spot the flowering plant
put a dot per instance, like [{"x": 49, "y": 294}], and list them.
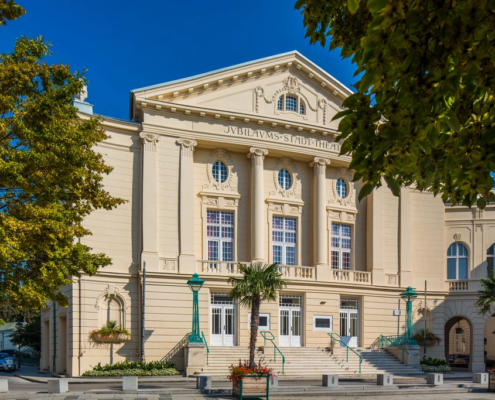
[
  {"x": 111, "y": 330},
  {"x": 238, "y": 372}
]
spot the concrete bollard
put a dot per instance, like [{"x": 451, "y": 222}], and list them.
[
  {"x": 384, "y": 380},
  {"x": 203, "y": 382},
  {"x": 274, "y": 382},
  {"x": 330, "y": 380},
  {"x": 480, "y": 378},
  {"x": 4, "y": 385},
  {"x": 129, "y": 383},
  {"x": 434, "y": 379},
  {"x": 58, "y": 385}
]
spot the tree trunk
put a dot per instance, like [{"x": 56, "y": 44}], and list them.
[{"x": 255, "y": 321}]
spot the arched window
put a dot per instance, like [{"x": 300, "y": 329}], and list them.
[
  {"x": 290, "y": 103},
  {"x": 457, "y": 262},
  {"x": 341, "y": 188},
  {"x": 284, "y": 179},
  {"x": 219, "y": 171},
  {"x": 302, "y": 110},
  {"x": 280, "y": 103},
  {"x": 490, "y": 258},
  {"x": 112, "y": 311}
]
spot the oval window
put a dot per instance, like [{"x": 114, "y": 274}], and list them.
[
  {"x": 341, "y": 188},
  {"x": 284, "y": 179},
  {"x": 219, "y": 172}
]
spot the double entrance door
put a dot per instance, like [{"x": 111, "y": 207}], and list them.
[
  {"x": 290, "y": 320},
  {"x": 222, "y": 316},
  {"x": 349, "y": 322}
]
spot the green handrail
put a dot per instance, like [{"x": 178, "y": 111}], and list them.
[
  {"x": 206, "y": 344},
  {"x": 275, "y": 348},
  {"x": 339, "y": 339},
  {"x": 393, "y": 342}
]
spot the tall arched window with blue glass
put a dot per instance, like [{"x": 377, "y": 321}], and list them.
[{"x": 457, "y": 262}]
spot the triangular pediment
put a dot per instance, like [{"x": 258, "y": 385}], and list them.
[{"x": 287, "y": 86}]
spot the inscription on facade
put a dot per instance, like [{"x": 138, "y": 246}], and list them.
[{"x": 283, "y": 138}]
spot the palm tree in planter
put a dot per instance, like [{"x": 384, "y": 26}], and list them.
[
  {"x": 486, "y": 295},
  {"x": 259, "y": 282}
]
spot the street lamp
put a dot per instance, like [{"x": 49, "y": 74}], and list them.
[
  {"x": 408, "y": 296},
  {"x": 195, "y": 284}
]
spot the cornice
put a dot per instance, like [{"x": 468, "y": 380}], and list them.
[{"x": 250, "y": 119}]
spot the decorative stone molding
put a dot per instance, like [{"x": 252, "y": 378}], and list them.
[
  {"x": 335, "y": 199},
  {"x": 149, "y": 141},
  {"x": 168, "y": 264},
  {"x": 187, "y": 146},
  {"x": 230, "y": 184},
  {"x": 255, "y": 152},
  {"x": 320, "y": 164},
  {"x": 457, "y": 237},
  {"x": 111, "y": 291},
  {"x": 479, "y": 228},
  {"x": 294, "y": 191},
  {"x": 323, "y": 105}
]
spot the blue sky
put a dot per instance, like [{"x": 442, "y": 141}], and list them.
[{"x": 127, "y": 45}]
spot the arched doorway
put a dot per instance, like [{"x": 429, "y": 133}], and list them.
[{"x": 459, "y": 343}]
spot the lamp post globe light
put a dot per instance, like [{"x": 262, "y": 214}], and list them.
[
  {"x": 195, "y": 284},
  {"x": 408, "y": 296}
]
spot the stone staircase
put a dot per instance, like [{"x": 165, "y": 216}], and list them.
[{"x": 310, "y": 361}]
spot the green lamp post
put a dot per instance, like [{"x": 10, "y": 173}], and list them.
[
  {"x": 408, "y": 296},
  {"x": 195, "y": 284}
]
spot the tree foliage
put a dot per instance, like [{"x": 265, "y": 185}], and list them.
[
  {"x": 424, "y": 110},
  {"x": 9, "y": 10},
  {"x": 259, "y": 282},
  {"x": 29, "y": 334},
  {"x": 486, "y": 296},
  {"x": 50, "y": 177}
]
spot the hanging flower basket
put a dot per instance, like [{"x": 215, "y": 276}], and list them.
[{"x": 118, "y": 338}]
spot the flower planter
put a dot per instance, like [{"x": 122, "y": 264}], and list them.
[
  {"x": 429, "y": 342},
  {"x": 252, "y": 386},
  {"x": 491, "y": 381},
  {"x": 119, "y": 338}
]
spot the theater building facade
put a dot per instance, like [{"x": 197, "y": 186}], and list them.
[{"x": 240, "y": 165}]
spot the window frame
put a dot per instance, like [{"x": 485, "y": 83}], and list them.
[
  {"x": 220, "y": 172},
  {"x": 281, "y": 104},
  {"x": 457, "y": 257},
  {"x": 346, "y": 186},
  {"x": 285, "y": 178},
  {"x": 267, "y": 315},
  {"x": 284, "y": 245},
  {"x": 329, "y": 317},
  {"x": 340, "y": 250},
  {"x": 492, "y": 258},
  {"x": 220, "y": 240}
]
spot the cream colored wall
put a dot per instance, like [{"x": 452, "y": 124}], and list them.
[
  {"x": 490, "y": 338},
  {"x": 390, "y": 232}
]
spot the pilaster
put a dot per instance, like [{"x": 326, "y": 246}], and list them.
[
  {"x": 257, "y": 155},
  {"x": 375, "y": 236},
  {"x": 405, "y": 237},
  {"x": 149, "y": 207},
  {"x": 187, "y": 261},
  {"x": 320, "y": 239}
]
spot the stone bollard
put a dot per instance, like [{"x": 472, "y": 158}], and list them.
[
  {"x": 274, "y": 382},
  {"x": 203, "y": 382},
  {"x": 384, "y": 380},
  {"x": 434, "y": 379},
  {"x": 330, "y": 380},
  {"x": 130, "y": 383},
  {"x": 58, "y": 385},
  {"x": 4, "y": 385},
  {"x": 480, "y": 378}
]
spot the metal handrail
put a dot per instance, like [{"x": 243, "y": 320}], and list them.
[
  {"x": 347, "y": 347},
  {"x": 206, "y": 344},
  {"x": 275, "y": 348},
  {"x": 177, "y": 348},
  {"x": 393, "y": 344}
]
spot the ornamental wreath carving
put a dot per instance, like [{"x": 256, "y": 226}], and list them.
[
  {"x": 230, "y": 184},
  {"x": 350, "y": 199},
  {"x": 294, "y": 192}
]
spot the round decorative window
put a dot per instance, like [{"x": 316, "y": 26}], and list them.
[
  {"x": 284, "y": 179},
  {"x": 341, "y": 188},
  {"x": 220, "y": 172}
]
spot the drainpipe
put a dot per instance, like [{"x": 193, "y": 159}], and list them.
[
  {"x": 54, "y": 337},
  {"x": 142, "y": 312}
]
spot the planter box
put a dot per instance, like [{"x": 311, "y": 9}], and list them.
[
  {"x": 120, "y": 338},
  {"x": 491, "y": 382},
  {"x": 252, "y": 387}
]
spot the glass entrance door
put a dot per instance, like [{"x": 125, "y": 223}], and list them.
[
  {"x": 290, "y": 320},
  {"x": 222, "y": 320},
  {"x": 349, "y": 322}
]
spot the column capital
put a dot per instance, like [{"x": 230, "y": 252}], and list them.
[
  {"x": 149, "y": 140},
  {"x": 187, "y": 146},
  {"x": 319, "y": 162},
  {"x": 257, "y": 152}
]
